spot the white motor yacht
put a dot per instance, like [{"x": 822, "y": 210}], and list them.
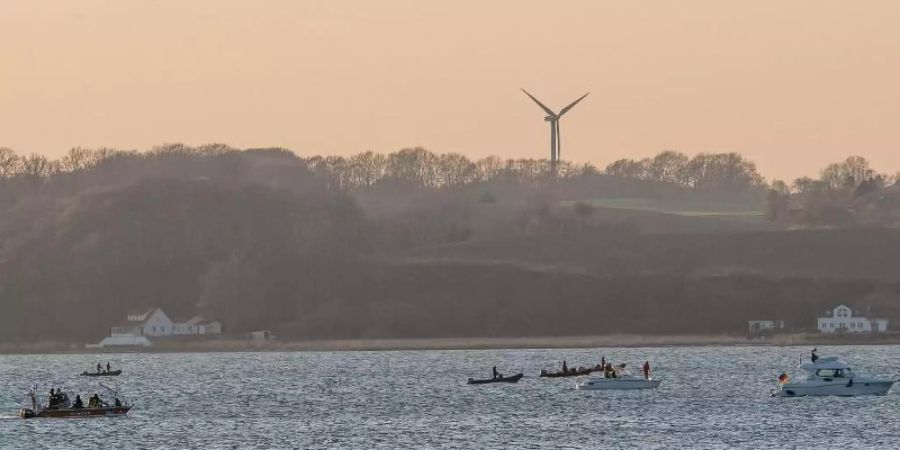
[
  {"x": 829, "y": 376},
  {"x": 623, "y": 380}
]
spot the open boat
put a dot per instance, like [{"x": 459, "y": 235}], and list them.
[
  {"x": 106, "y": 373},
  {"x": 69, "y": 413},
  {"x": 829, "y": 376},
  {"x": 579, "y": 372},
  {"x": 61, "y": 407},
  {"x": 623, "y": 381},
  {"x": 510, "y": 379}
]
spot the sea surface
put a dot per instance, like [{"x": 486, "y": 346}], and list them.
[{"x": 710, "y": 397}]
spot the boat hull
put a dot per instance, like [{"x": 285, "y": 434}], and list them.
[
  {"x": 73, "y": 413},
  {"x": 842, "y": 388},
  {"x": 511, "y": 379},
  {"x": 576, "y": 373},
  {"x": 113, "y": 373},
  {"x": 599, "y": 384}
]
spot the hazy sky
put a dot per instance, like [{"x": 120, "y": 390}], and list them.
[{"x": 791, "y": 84}]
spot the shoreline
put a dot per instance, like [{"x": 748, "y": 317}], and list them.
[{"x": 468, "y": 343}]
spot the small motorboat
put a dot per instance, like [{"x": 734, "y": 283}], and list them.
[
  {"x": 830, "y": 376},
  {"x": 69, "y": 413},
  {"x": 60, "y": 406},
  {"x": 105, "y": 373},
  {"x": 623, "y": 381},
  {"x": 579, "y": 372},
  {"x": 501, "y": 379}
]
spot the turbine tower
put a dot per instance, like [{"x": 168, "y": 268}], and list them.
[{"x": 553, "y": 118}]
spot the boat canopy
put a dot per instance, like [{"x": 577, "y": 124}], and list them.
[{"x": 827, "y": 362}]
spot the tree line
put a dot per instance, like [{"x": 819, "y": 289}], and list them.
[
  {"x": 842, "y": 194},
  {"x": 846, "y": 193},
  {"x": 419, "y": 167}
]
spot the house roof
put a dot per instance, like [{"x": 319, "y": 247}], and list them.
[
  {"x": 855, "y": 313},
  {"x": 196, "y": 320},
  {"x": 139, "y": 315}
]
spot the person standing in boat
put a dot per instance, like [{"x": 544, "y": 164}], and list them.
[
  {"x": 108, "y": 367},
  {"x": 646, "y": 370},
  {"x": 565, "y": 367},
  {"x": 99, "y": 368},
  {"x": 813, "y": 356},
  {"x": 495, "y": 374},
  {"x": 78, "y": 403}
]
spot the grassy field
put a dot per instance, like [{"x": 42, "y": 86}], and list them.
[{"x": 681, "y": 208}]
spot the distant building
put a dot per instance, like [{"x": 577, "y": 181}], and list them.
[
  {"x": 844, "y": 319},
  {"x": 764, "y": 326},
  {"x": 148, "y": 322},
  {"x": 153, "y": 322},
  {"x": 198, "y": 325},
  {"x": 261, "y": 335}
]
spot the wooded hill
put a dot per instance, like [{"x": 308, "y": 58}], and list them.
[{"x": 265, "y": 239}]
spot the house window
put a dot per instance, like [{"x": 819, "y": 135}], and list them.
[{"x": 831, "y": 325}]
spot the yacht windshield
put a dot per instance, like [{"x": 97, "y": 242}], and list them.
[{"x": 833, "y": 373}]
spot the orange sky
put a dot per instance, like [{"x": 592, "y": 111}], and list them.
[{"x": 791, "y": 84}]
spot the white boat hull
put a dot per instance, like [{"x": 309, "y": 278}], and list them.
[
  {"x": 596, "y": 384},
  {"x": 837, "y": 388}
]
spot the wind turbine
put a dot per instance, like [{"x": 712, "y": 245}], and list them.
[{"x": 553, "y": 118}]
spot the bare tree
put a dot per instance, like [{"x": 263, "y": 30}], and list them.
[
  {"x": 37, "y": 166},
  {"x": 455, "y": 169},
  {"x": 627, "y": 168},
  {"x": 415, "y": 166},
  {"x": 722, "y": 172},
  {"x": 489, "y": 168},
  {"x": 78, "y": 158},
  {"x": 367, "y": 168},
  {"x": 669, "y": 166},
  {"x": 9, "y": 162}
]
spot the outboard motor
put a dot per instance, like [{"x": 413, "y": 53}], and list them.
[{"x": 27, "y": 413}]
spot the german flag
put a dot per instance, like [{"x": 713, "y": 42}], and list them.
[{"x": 783, "y": 378}]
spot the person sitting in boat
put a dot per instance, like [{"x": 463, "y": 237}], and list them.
[
  {"x": 99, "y": 368},
  {"x": 52, "y": 400},
  {"x": 118, "y": 403},
  {"x": 565, "y": 367},
  {"x": 610, "y": 372},
  {"x": 108, "y": 367},
  {"x": 495, "y": 374},
  {"x": 78, "y": 403}
]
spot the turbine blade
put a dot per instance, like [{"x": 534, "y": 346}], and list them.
[
  {"x": 572, "y": 105},
  {"x": 544, "y": 107}
]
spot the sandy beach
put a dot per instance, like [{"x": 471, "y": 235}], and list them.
[{"x": 467, "y": 343}]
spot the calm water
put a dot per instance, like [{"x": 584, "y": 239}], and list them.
[{"x": 710, "y": 398}]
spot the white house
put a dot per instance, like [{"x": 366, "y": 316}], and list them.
[
  {"x": 758, "y": 326},
  {"x": 154, "y": 322},
  {"x": 844, "y": 319},
  {"x": 149, "y": 322}
]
